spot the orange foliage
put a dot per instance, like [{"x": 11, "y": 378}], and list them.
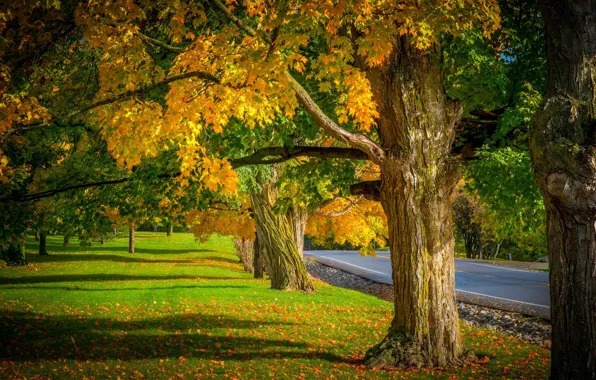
[
  {"x": 350, "y": 220},
  {"x": 227, "y": 223}
]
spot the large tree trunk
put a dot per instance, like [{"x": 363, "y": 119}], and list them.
[
  {"x": 284, "y": 263},
  {"x": 563, "y": 147},
  {"x": 417, "y": 126},
  {"x": 298, "y": 216},
  {"x": 131, "y": 239},
  {"x": 258, "y": 258},
  {"x": 244, "y": 250},
  {"x": 43, "y": 251}
]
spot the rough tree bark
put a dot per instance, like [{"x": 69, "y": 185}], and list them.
[
  {"x": 563, "y": 147},
  {"x": 285, "y": 265},
  {"x": 131, "y": 239},
  {"x": 258, "y": 259},
  {"x": 417, "y": 126},
  {"x": 298, "y": 216},
  {"x": 244, "y": 250},
  {"x": 43, "y": 251}
]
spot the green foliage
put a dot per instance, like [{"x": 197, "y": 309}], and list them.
[{"x": 513, "y": 208}]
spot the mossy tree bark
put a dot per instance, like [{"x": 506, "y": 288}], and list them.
[
  {"x": 258, "y": 259},
  {"x": 417, "y": 126},
  {"x": 284, "y": 263},
  {"x": 298, "y": 216},
  {"x": 563, "y": 147},
  {"x": 244, "y": 250},
  {"x": 43, "y": 251}
]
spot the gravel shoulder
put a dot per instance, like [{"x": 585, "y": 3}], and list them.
[{"x": 531, "y": 329}]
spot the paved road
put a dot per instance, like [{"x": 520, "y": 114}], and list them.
[{"x": 495, "y": 286}]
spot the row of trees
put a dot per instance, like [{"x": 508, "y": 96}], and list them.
[{"x": 142, "y": 109}]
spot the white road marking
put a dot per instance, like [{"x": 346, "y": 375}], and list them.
[
  {"x": 503, "y": 299},
  {"x": 497, "y": 266},
  {"x": 458, "y": 290},
  {"x": 343, "y": 262}
]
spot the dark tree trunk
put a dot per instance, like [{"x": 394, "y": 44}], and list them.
[
  {"x": 284, "y": 263},
  {"x": 13, "y": 254},
  {"x": 563, "y": 147},
  {"x": 417, "y": 126},
  {"x": 169, "y": 229},
  {"x": 65, "y": 241},
  {"x": 244, "y": 250},
  {"x": 472, "y": 245},
  {"x": 131, "y": 239},
  {"x": 258, "y": 259},
  {"x": 43, "y": 251},
  {"x": 298, "y": 217},
  {"x": 36, "y": 234},
  {"x": 102, "y": 241}
]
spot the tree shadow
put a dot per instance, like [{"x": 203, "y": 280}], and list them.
[
  {"x": 79, "y": 289},
  {"x": 65, "y": 257},
  {"x": 54, "y": 247},
  {"x": 30, "y": 336},
  {"x": 103, "y": 277}
]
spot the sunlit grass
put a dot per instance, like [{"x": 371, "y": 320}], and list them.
[{"x": 179, "y": 309}]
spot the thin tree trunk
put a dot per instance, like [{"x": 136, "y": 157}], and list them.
[
  {"x": 497, "y": 249},
  {"x": 258, "y": 259},
  {"x": 131, "y": 239},
  {"x": 36, "y": 234},
  {"x": 102, "y": 240},
  {"x": 417, "y": 126},
  {"x": 43, "y": 244},
  {"x": 298, "y": 217},
  {"x": 65, "y": 241},
  {"x": 244, "y": 250},
  {"x": 169, "y": 229},
  {"x": 563, "y": 147},
  {"x": 285, "y": 265}
]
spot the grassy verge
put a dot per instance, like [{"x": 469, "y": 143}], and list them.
[{"x": 177, "y": 309}]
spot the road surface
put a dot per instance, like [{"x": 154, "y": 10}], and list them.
[{"x": 500, "y": 287}]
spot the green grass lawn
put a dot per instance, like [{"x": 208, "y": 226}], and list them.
[{"x": 178, "y": 309}]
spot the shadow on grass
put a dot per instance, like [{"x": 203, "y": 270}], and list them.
[
  {"x": 65, "y": 257},
  {"x": 79, "y": 289},
  {"x": 102, "y": 277},
  {"x": 58, "y": 248},
  {"x": 30, "y": 336}
]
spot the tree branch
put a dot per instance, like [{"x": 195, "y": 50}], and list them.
[
  {"x": 50, "y": 193},
  {"x": 370, "y": 190},
  {"x": 128, "y": 95},
  {"x": 355, "y": 140},
  {"x": 154, "y": 41},
  {"x": 259, "y": 157},
  {"x": 347, "y": 209}
]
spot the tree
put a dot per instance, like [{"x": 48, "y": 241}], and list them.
[
  {"x": 382, "y": 62},
  {"x": 464, "y": 215},
  {"x": 234, "y": 222},
  {"x": 563, "y": 143}
]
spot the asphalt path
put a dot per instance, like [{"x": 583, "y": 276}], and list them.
[{"x": 496, "y": 286}]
